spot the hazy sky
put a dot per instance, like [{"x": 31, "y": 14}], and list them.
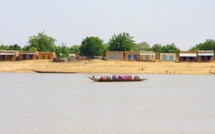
[{"x": 183, "y": 22}]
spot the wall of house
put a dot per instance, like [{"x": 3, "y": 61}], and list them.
[
  {"x": 28, "y": 56},
  {"x": 147, "y": 57},
  {"x": 185, "y": 56},
  {"x": 157, "y": 56},
  {"x": 132, "y": 56},
  {"x": 205, "y": 55},
  {"x": 9, "y": 56},
  {"x": 114, "y": 55},
  {"x": 46, "y": 55},
  {"x": 167, "y": 56}
]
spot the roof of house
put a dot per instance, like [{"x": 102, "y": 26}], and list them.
[
  {"x": 147, "y": 53},
  {"x": 8, "y": 52},
  {"x": 188, "y": 54}
]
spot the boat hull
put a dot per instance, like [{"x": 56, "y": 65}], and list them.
[
  {"x": 37, "y": 71},
  {"x": 133, "y": 80}
]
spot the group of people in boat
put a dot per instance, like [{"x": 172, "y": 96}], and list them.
[{"x": 115, "y": 77}]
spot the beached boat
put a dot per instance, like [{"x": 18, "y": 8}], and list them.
[
  {"x": 38, "y": 71},
  {"x": 116, "y": 80}
]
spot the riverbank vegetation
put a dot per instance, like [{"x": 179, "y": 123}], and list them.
[{"x": 94, "y": 46}]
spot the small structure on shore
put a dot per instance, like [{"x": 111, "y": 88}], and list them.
[
  {"x": 205, "y": 55},
  {"x": 26, "y": 55},
  {"x": 72, "y": 57},
  {"x": 196, "y": 56},
  {"x": 147, "y": 56},
  {"x": 132, "y": 55},
  {"x": 115, "y": 55},
  {"x": 167, "y": 56},
  {"x": 9, "y": 55},
  {"x": 46, "y": 55},
  {"x": 185, "y": 56}
]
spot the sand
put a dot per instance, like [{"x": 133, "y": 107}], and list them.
[{"x": 113, "y": 67}]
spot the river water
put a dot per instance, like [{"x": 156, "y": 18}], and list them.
[{"x": 33, "y": 103}]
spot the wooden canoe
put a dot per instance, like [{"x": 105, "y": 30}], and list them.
[
  {"x": 37, "y": 71},
  {"x": 133, "y": 80}
]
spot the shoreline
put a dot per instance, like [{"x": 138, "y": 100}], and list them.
[{"x": 108, "y": 67}]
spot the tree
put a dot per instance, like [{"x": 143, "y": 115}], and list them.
[
  {"x": 10, "y": 47},
  {"x": 4, "y": 47},
  {"x": 42, "y": 42},
  {"x": 156, "y": 48},
  {"x": 27, "y": 48},
  {"x": 207, "y": 45},
  {"x": 91, "y": 46},
  {"x": 74, "y": 49},
  {"x": 32, "y": 49},
  {"x": 121, "y": 42},
  {"x": 62, "y": 51},
  {"x": 15, "y": 47},
  {"x": 106, "y": 46},
  {"x": 143, "y": 46},
  {"x": 170, "y": 48}
]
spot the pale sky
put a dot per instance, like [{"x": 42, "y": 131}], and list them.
[{"x": 183, "y": 22}]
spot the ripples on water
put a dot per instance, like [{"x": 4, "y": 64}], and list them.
[{"x": 71, "y": 103}]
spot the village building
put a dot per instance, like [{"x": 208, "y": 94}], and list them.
[
  {"x": 46, "y": 55},
  {"x": 205, "y": 55},
  {"x": 157, "y": 56},
  {"x": 115, "y": 55},
  {"x": 8, "y": 55},
  {"x": 74, "y": 57},
  {"x": 185, "y": 56},
  {"x": 147, "y": 56},
  {"x": 25, "y": 55},
  {"x": 167, "y": 56},
  {"x": 132, "y": 55}
]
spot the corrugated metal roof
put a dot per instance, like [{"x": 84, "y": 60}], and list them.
[
  {"x": 27, "y": 53},
  {"x": 188, "y": 55},
  {"x": 71, "y": 54},
  {"x": 205, "y": 54},
  {"x": 147, "y": 54},
  {"x": 7, "y": 53}
]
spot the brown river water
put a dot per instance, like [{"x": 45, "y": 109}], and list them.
[{"x": 32, "y": 103}]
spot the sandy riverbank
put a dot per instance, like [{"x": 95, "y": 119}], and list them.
[{"x": 116, "y": 67}]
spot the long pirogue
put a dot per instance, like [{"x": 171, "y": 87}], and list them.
[{"x": 116, "y": 80}]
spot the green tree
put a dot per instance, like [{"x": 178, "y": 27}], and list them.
[
  {"x": 170, "y": 48},
  {"x": 10, "y": 47},
  {"x": 106, "y": 47},
  {"x": 156, "y": 48},
  {"x": 207, "y": 45},
  {"x": 143, "y": 46},
  {"x": 4, "y": 47},
  {"x": 42, "y": 42},
  {"x": 26, "y": 48},
  {"x": 121, "y": 42},
  {"x": 32, "y": 49},
  {"x": 74, "y": 49},
  {"x": 62, "y": 51},
  {"x": 15, "y": 47},
  {"x": 91, "y": 46}
]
